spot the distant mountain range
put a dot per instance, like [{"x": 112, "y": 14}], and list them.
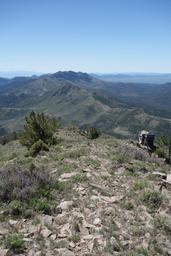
[
  {"x": 121, "y": 109},
  {"x": 12, "y": 74},
  {"x": 155, "y": 78}
]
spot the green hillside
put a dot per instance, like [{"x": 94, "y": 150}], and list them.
[{"x": 118, "y": 109}]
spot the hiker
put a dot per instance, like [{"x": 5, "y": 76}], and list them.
[{"x": 147, "y": 139}]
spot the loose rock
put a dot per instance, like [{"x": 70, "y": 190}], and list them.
[{"x": 65, "y": 205}]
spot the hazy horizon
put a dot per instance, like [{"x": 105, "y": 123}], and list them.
[{"x": 12, "y": 74}]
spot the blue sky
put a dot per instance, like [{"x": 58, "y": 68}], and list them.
[{"x": 85, "y": 35}]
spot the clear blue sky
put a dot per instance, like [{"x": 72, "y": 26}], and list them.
[{"x": 85, "y": 35}]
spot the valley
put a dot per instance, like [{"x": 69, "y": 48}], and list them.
[{"x": 119, "y": 109}]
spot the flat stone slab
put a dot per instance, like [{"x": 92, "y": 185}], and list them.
[
  {"x": 64, "y": 252},
  {"x": 66, "y": 176},
  {"x": 65, "y": 205},
  {"x": 168, "y": 177},
  {"x": 46, "y": 232},
  {"x": 4, "y": 252},
  {"x": 161, "y": 175},
  {"x": 112, "y": 199},
  {"x": 3, "y": 231}
]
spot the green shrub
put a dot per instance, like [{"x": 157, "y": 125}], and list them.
[
  {"x": 75, "y": 238},
  {"x": 64, "y": 186},
  {"x": 162, "y": 223},
  {"x": 46, "y": 189},
  {"x": 37, "y": 147},
  {"x": 16, "y": 208},
  {"x": 140, "y": 185},
  {"x": 121, "y": 158},
  {"x": 161, "y": 152},
  {"x": 28, "y": 213},
  {"x": 38, "y": 127},
  {"x": 14, "y": 241},
  {"x": 162, "y": 148},
  {"x": 92, "y": 133},
  {"x": 152, "y": 199},
  {"x": 164, "y": 140},
  {"x": 42, "y": 205}
]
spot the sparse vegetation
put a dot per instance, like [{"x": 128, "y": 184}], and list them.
[
  {"x": 79, "y": 178},
  {"x": 127, "y": 204},
  {"x": 100, "y": 190},
  {"x": 42, "y": 205},
  {"x": 26, "y": 189},
  {"x": 152, "y": 199},
  {"x": 15, "y": 242},
  {"x": 140, "y": 185},
  {"x": 163, "y": 147},
  {"x": 140, "y": 252},
  {"x": 162, "y": 223},
  {"x": 75, "y": 238},
  {"x": 37, "y": 147},
  {"x": 75, "y": 153},
  {"x": 92, "y": 133},
  {"x": 17, "y": 207}
]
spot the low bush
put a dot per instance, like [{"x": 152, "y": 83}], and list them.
[
  {"x": 133, "y": 153},
  {"x": 42, "y": 205},
  {"x": 21, "y": 184},
  {"x": 15, "y": 242},
  {"x": 152, "y": 199},
  {"x": 37, "y": 147},
  {"x": 26, "y": 191},
  {"x": 140, "y": 185},
  {"x": 140, "y": 155},
  {"x": 162, "y": 223},
  {"x": 16, "y": 208},
  {"x": 161, "y": 152},
  {"x": 163, "y": 146},
  {"x": 91, "y": 132}
]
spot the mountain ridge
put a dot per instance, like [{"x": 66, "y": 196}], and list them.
[
  {"x": 78, "y": 97},
  {"x": 154, "y": 78}
]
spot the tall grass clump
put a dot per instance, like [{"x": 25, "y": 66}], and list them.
[{"x": 92, "y": 133}]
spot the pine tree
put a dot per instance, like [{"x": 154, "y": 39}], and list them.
[{"x": 38, "y": 127}]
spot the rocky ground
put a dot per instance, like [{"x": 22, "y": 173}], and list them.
[{"x": 107, "y": 202}]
